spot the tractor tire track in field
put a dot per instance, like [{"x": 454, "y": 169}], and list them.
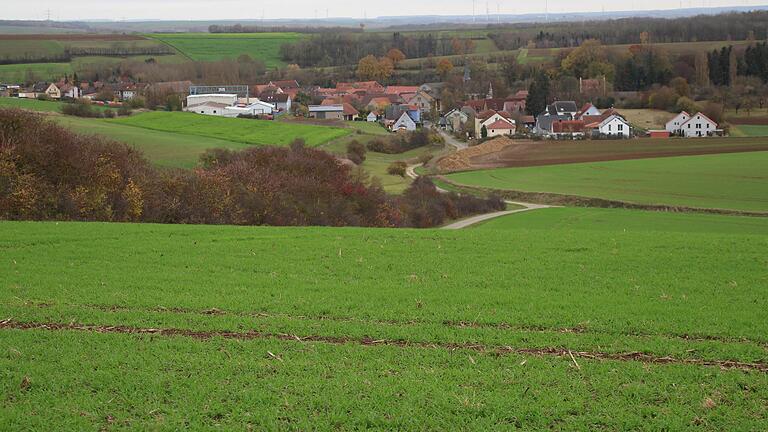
[
  {"x": 9, "y": 324},
  {"x": 502, "y": 326}
]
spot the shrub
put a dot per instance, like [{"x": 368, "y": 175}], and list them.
[
  {"x": 124, "y": 111},
  {"x": 424, "y": 158},
  {"x": 108, "y": 113},
  {"x": 397, "y": 168},
  {"x": 424, "y": 206},
  {"x": 356, "y": 152},
  {"x": 400, "y": 143},
  {"x": 79, "y": 109}
]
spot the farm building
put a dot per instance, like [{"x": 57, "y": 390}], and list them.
[
  {"x": 343, "y": 111},
  {"x": 281, "y": 101},
  {"x": 239, "y": 90},
  {"x": 659, "y": 133},
  {"x": 257, "y": 108},
  {"x": 226, "y": 99}
]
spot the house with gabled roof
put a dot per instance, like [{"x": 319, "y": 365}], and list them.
[
  {"x": 699, "y": 125},
  {"x": 404, "y": 123},
  {"x": 614, "y": 126},
  {"x": 489, "y": 117},
  {"x": 675, "y": 125},
  {"x": 587, "y": 110},
  {"x": 423, "y": 100}
]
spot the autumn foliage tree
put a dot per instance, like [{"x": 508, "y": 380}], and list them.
[
  {"x": 396, "y": 56},
  {"x": 375, "y": 69},
  {"x": 444, "y": 67}
]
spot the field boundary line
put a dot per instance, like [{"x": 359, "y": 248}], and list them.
[
  {"x": 10, "y": 324},
  {"x": 502, "y": 326}
]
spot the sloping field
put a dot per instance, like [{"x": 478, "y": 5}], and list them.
[
  {"x": 161, "y": 148},
  {"x": 218, "y": 46},
  {"x": 737, "y": 181},
  {"x": 621, "y": 220},
  {"x": 120, "y": 326},
  {"x": 256, "y": 132},
  {"x": 18, "y": 73}
]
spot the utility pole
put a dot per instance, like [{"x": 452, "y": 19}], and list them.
[{"x": 473, "y": 12}]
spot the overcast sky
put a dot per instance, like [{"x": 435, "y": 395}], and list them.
[{"x": 254, "y": 9}]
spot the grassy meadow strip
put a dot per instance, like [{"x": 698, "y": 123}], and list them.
[
  {"x": 127, "y": 382},
  {"x": 255, "y": 132},
  {"x": 710, "y": 284},
  {"x": 737, "y": 181},
  {"x": 621, "y": 220}
]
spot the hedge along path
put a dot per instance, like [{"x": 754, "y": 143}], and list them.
[
  {"x": 10, "y": 324},
  {"x": 502, "y": 326}
]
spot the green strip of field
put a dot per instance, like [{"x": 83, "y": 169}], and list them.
[
  {"x": 688, "y": 295},
  {"x": 40, "y": 105},
  {"x": 737, "y": 181},
  {"x": 211, "y": 47},
  {"x": 620, "y": 220},
  {"x": 17, "y": 73},
  {"x": 161, "y": 148},
  {"x": 256, "y": 132},
  {"x": 750, "y": 130}
]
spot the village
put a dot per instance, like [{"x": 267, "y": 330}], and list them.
[{"x": 396, "y": 107}]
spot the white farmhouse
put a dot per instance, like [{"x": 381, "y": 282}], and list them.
[
  {"x": 615, "y": 126},
  {"x": 499, "y": 128},
  {"x": 674, "y": 126},
  {"x": 699, "y": 125}
]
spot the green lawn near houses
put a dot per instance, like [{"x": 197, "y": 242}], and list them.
[{"x": 736, "y": 181}]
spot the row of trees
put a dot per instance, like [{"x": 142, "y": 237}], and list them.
[
  {"x": 49, "y": 173},
  {"x": 338, "y": 49},
  {"x": 731, "y": 26}
]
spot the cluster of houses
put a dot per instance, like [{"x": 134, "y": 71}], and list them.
[
  {"x": 123, "y": 90},
  {"x": 398, "y": 108}
]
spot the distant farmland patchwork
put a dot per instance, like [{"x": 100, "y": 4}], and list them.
[{"x": 283, "y": 328}]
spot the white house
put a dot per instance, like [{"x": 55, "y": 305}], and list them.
[
  {"x": 499, "y": 128},
  {"x": 256, "y": 108},
  {"x": 699, "y": 125},
  {"x": 614, "y": 126},
  {"x": 405, "y": 122},
  {"x": 674, "y": 126},
  {"x": 373, "y": 117},
  {"x": 587, "y": 110},
  {"x": 487, "y": 118}
]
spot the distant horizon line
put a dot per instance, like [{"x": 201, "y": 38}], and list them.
[{"x": 481, "y": 18}]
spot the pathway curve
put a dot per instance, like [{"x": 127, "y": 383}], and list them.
[{"x": 410, "y": 171}]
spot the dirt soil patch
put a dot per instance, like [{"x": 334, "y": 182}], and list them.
[
  {"x": 504, "y": 152},
  {"x": 486, "y": 349}
]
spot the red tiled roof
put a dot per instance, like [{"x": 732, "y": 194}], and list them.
[
  {"x": 568, "y": 126},
  {"x": 350, "y": 110},
  {"x": 500, "y": 124},
  {"x": 398, "y": 90}
]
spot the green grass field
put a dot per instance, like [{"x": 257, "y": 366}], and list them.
[
  {"x": 161, "y": 148},
  {"x": 620, "y": 220},
  {"x": 18, "y": 73},
  {"x": 208, "y": 46},
  {"x": 737, "y": 181},
  {"x": 121, "y": 326},
  {"x": 749, "y": 131},
  {"x": 39, "y": 106},
  {"x": 256, "y": 132}
]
